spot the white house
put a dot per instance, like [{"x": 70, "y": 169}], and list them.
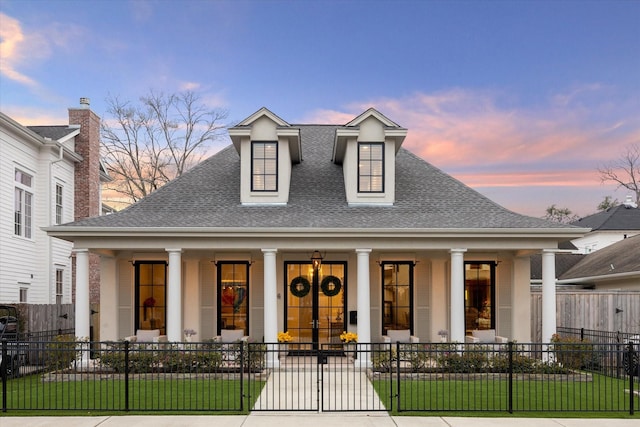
[
  {"x": 609, "y": 226},
  {"x": 315, "y": 229},
  {"x": 39, "y": 187}
]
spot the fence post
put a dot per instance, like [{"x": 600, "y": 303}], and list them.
[
  {"x": 126, "y": 375},
  {"x": 636, "y": 368},
  {"x": 397, "y": 372},
  {"x": 3, "y": 369},
  {"x": 242, "y": 368},
  {"x": 510, "y": 392}
]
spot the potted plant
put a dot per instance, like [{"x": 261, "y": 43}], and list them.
[
  {"x": 284, "y": 338},
  {"x": 188, "y": 333},
  {"x": 349, "y": 340},
  {"x": 443, "y": 335}
]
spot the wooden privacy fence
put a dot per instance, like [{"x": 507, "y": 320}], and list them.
[{"x": 597, "y": 310}]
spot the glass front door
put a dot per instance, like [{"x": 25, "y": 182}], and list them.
[{"x": 315, "y": 309}]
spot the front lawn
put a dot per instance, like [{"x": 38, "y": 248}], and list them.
[
  {"x": 147, "y": 393},
  {"x": 491, "y": 393}
]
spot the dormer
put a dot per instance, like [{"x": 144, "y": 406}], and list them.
[
  {"x": 366, "y": 148},
  {"x": 268, "y": 147}
]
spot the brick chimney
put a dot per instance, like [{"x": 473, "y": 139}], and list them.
[
  {"x": 87, "y": 182},
  {"x": 87, "y": 175}
]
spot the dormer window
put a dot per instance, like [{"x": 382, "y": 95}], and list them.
[
  {"x": 264, "y": 166},
  {"x": 370, "y": 167}
]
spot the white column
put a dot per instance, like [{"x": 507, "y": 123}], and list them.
[
  {"x": 270, "y": 305},
  {"x": 363, "y": 305},
  {"x": 174, "y": 296},
  {"x": 457, "y": 295},
  {"x": 548, "y": 295},
  {"x": 83, "y": 310}
]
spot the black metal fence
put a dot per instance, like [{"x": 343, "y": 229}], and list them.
[
  {"x": 241, "y": 377},
  {"x": 554, "y": 377}
]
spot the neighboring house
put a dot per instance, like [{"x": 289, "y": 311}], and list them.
[
  {"x": 608, "y": 227},
  {"x": 315, "y": 229},
  {"x": 49, "y": 175},
  {"x": 615, "y": 267}
]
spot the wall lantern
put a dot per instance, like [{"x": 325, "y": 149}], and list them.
[{"x": 316, "y": 260}]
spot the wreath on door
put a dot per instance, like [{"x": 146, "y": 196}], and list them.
[
  {"x": 331, "y": 286},
  {"x": 300, "y": 287}
]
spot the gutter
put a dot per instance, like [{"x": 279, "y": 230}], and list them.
[{"x": 590, "y": 279}]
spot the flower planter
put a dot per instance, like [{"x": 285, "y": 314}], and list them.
[{"x": 349, "y": 349}]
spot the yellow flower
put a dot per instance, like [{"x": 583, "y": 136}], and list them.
[
  {"x": 284, "y": 337},
  {"x": 347, "y": 337}
]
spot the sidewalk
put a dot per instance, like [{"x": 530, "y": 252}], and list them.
[{"x": 298, "y": 419}]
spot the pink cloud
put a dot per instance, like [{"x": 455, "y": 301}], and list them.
[{"x": 484, "y": 141}]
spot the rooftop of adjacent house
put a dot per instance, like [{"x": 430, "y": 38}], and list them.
[
  {"x": 622, "y": 217},
  {"x": 209, "y": 196},
  {"x": 564, "y": 261},
  {"x": 53, "y": 132},
  {"x": 620, "y": 257}
]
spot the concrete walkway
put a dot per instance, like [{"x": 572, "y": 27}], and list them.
[
  {"x": 294, "y": 387},
  {"x": 302, "y": 420}
]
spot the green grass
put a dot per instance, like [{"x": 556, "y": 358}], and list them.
[
  {"x": 600, "y": 395},
  {"x": 151, "y": 394}
]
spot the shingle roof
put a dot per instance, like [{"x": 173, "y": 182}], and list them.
[
  {"x": 616, "y": 218},
  {"x": 53, "y": 132},
  {"x": 563, "y": 263},
  {"x": 208, "y": 196},
  {"x": 623, "y": 256}
]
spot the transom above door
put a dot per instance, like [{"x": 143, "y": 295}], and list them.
[{"x": 315, "y": 301}]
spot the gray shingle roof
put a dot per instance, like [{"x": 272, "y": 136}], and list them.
[
  {"x": 616, "y": 218},
  {"x": 53, "y": 132},
  {"x": 624, "y": 256},
  {"x": 563, "y": 263},
  {"x": 209, "y": 196}
]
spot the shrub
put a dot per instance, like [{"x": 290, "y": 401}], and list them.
[
  {"x": 572, "y": 353},
  {"x": 61, "y": 352},
  {"x": 465, "y": 361}
]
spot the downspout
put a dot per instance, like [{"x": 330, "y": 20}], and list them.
[{"x": 51, "y": 212}]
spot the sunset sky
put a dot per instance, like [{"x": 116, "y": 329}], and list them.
[{"x": 521, "y": 100}]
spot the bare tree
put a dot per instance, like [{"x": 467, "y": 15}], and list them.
[
  {"x": 625, "y": 171},
  {"x": 608, "y": 203},
  {"x": 560, "y": 215},
  {"x": 148, "y": 144}
]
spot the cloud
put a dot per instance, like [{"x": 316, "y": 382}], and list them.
[
  {"x": 11, "y": 40},
  {"x": 485, "y": 139},
  {"x": 20, "y": 48}
]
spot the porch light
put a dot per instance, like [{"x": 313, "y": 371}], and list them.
[{"x": 316, "y": 260}]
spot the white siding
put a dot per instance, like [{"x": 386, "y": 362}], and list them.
[{"x": 31, "y": 263}]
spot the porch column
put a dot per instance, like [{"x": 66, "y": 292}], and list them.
[
  {"x": 174, "y": 296},
  {"x": 548, "y": 295},
  {"x": 363, "y": 305},
  {"x": 457, "y": 295},
  {"x": 270, "y": 305},
  {"x": 83, "y": 310}
]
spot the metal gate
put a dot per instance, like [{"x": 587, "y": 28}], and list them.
[{"x": 326, "y": 380}]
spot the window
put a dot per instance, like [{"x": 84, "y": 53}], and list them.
[
  {"x": 59, "y": 286},
  {"x": 58, "y": 204},
  {"x": 264, "y": 166},
  {"x": 479, "y": 295},
  {"x": 233, "y": 296},
  {"x": 23, "y": 204},
  {"x": 23, "y": 295},
  {"x": 151, "y": 295},
  {"x": 397, "y": 296},
  {"x": 371, "y": 167}
]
